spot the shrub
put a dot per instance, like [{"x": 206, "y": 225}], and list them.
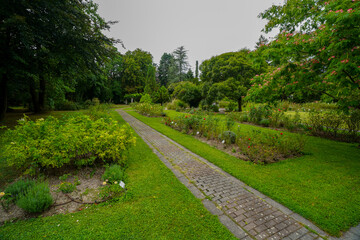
[
  {"x": 146, "y": 98},
  {"x": 18, "y": 188},
  {"x": 36, "y": 199},
  {"x": 258, "y": 113},
  {"x": 214, "y": 108},
  {"x": 147, "y": 109},
  {"x": 113, "y": 173},
  {"x": 72, "y": 140},
  {"x": 352, "y": 122},
  {"x": 176, "y": 104},
  {"x": 67, "y": 106},
  {"x": 229, "y": 137},
  {"x": 265, "y": 122},
  {"x": 65, "y": 186},
  {"x": 231, "y": 107}
]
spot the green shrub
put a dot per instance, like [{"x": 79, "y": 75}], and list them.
[
  {"x": 258, "y": 113},
  {"x": 66, "y": 186},
  {"x": 231, "y": 107},
  {"x": 229, "y": 137},
  {"x": 244, "y": 118},
  {"x": 114, "y": 173},
  {"x": 67, "y": 106},
  {"x": 147, "y": 109},
  {"x": 18, "y": 188},
  {"x": 264, "y": 122},
  {"x": 36, "y": 199},
  {"x": 72, "y": 140},
  {"x": 214, "y": 108},
  {"x": 146, "y": 98},
  {"x": 177, "y": 104}
]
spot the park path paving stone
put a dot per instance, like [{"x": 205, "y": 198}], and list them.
[{"x": 247, "y": 213}]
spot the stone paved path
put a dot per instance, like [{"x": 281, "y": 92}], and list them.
[{"x": 247, "y": 213}]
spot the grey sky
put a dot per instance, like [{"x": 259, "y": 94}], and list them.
[{"x": 205, "y": 27}]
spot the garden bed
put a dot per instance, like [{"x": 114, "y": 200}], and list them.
[{"x": 87, "y": 192}]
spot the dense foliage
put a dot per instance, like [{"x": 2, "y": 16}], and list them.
[
  {"x": 316, "y": 55},
  {"x": 72, "y": 140},
  {"x": 49, "y": 49}
]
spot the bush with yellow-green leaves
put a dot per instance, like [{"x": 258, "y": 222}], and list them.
[{"x": 74, "y": 140}]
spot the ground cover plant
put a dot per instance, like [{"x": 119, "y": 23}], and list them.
[
  {"x": 156, "y": 206},
  {"x": 322, "y": 185}
]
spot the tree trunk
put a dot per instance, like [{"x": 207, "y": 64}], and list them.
[
  {"x": 3, "y": 96},
  {"x": 42, "y": 93},
  {"x": 34, "y": 98},
  {"x": 240, "y": 103}
]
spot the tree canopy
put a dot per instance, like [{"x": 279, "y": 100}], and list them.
[{"x": 316, "y": 54}]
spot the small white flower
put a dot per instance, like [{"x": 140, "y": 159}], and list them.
[
  {"x": 197, "y": 133},
  {"x": 22, "y": 119},
  {"x": 223, "y": 141},
  {"x": 58, "y": 225},
  {"x": 172, "y": 122},
  {"x": 77, "y": 220}
]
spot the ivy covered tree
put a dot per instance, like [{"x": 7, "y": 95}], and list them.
[{"x": 317, "y": 51}]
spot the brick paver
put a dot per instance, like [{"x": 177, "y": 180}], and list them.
[{"x": 257, "y": 216}]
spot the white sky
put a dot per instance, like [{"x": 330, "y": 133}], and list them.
[{"x": 205, "y": 27}]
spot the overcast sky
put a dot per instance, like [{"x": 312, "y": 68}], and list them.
[{"x": 205, "y": 27}]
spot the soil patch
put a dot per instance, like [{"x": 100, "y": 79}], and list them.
[{"x": 86, "y": 192}]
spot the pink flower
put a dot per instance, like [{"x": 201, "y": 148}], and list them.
[{"x": 349, "y": 10}]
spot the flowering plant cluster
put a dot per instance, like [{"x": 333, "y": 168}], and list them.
[
  {"x": 317, "y": 54},
  {"x": 258, "y": 146}
]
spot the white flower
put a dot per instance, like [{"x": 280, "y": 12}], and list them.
[
  {"x": 172, "y": 122},
  {"x": 22, "y": 119},
  {"x": 197, "y": 133},
  {"x": 223, "y": 141}
]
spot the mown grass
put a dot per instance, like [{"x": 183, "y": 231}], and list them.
[
  {"x": 156, "y": 206},
  {"x": 323, "y": 185}
]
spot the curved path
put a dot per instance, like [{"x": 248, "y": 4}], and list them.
[{"x": 247, "y": 213}]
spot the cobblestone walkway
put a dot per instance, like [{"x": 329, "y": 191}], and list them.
[{"x": 247, "y": 213}]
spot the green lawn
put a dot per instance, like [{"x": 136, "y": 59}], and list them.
[
  {"x": 156, "y": 206},
  {"x": 323, "y": 185}
]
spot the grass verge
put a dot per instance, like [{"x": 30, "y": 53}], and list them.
[
  {"x": 323, "y": 185},
  {"x": 156, "y": 206}
]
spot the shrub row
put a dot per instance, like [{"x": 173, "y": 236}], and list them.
[
  {"x": 259, "y": 146},
  {"x": 331, "y": 124},
  {"x": 148, "y": 109}
]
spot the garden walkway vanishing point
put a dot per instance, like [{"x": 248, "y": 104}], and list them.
[{"x": 247, "y": 213}]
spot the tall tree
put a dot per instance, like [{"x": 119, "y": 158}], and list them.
[
  {"x": 197, "y": 70},
  {"x": 317, "y": 52},
  {"x": 150, "y": 81},
  {"x": 181, "y": 58},
  {"x": 230, "y": 75},
  {"x": 164, "y": 68},
  {"x": 39, "y": 45},
  {"x": 136, "y": 64}
]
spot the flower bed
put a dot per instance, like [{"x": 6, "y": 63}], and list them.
[{"x": 258, "y": 146}]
